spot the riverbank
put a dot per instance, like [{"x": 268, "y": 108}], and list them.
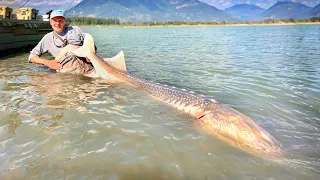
[{"x": 112, "y": 22}]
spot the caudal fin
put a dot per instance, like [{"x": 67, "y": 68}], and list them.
[{"x": 87, "y": 48}]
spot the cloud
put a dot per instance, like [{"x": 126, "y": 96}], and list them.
[
  {"x": 61, "y": 3},
  {"x": 222, "y": 4},
  {"x": 46, "y": 3},
  {"x": 8, "y": 2},
  {"x": 35, "y": 3},
  {"x": 42, "y": 5}
]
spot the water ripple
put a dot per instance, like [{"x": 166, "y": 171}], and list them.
[{"x": 69, "y": 126}]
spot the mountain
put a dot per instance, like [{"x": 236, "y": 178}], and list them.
[
  {"x": 245, "y": 12},
  {"x": 149, "y": 10},
  {"x": 314, "y": 12},
  {"x": 286, "y": 10}
]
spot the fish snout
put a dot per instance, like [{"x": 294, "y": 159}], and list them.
[
  {"x": 239, "y": 130},
  {"x": 254, "y": 136},
  {"x": 269, "y": 142}
]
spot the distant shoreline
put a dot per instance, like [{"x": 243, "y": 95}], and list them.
[
  {"x": 113, "y": 22},
  {"x": 195, "y": 25}
]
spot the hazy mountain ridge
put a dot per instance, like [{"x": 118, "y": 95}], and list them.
[
  {"x": 286, "y": 10},
  {"x": 188, "y": 10},
  {"x": 314, "y": 12},
  {"x": 150, "y": 10},
  {"x": 247, "y": 12}
]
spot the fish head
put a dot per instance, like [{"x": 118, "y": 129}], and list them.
[{"x": 238, "y": 130}]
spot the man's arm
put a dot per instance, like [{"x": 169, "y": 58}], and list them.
[
  {"x": 41, "y": 48},
  {"x": 52, "y": 64}
]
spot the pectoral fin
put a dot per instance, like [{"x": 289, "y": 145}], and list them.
[{"x": 87, "y": 48}]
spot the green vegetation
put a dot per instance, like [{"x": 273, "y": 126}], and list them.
[
  {"x": 311, "y": 20},
  {"x": 90, "y": 21}
]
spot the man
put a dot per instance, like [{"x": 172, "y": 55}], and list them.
[{"x": 56, "y": 40}]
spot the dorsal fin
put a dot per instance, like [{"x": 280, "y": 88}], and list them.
[{"x": 117, "y": 61}]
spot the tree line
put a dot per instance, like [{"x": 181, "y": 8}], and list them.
[
  {"x": 87, "y": 21},
  {"x": 91, "y": 21}
]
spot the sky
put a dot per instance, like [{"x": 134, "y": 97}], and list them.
[{"x": 46, "y": 5}]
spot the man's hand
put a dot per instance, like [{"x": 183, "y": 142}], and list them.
[{"x": 53, "y": 64}]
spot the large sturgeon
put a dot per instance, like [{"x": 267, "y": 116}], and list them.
[{"x": 210, "y": 115}]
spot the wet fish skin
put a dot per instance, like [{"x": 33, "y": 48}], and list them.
[
  {"x": 214, "y": 117},
  {"x": 210, "y": 115}
]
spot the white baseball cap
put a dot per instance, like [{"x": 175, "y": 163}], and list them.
[{"x": 56, "y": 13}]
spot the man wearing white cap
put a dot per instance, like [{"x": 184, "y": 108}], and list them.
[{"x": 54, "y": 41}]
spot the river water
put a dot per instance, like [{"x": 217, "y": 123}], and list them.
[{"x": 63, "y": 126}]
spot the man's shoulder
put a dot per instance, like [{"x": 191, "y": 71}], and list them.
[
  {"x": 49, "y": 34},
  {"x": 73, "y": 28},
  {"x": 46, "y": 36}
]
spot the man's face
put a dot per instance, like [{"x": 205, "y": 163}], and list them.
[{"x": 57, "y": 24}]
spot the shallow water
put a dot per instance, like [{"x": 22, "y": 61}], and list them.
[{"x": 63, "y": 126}]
